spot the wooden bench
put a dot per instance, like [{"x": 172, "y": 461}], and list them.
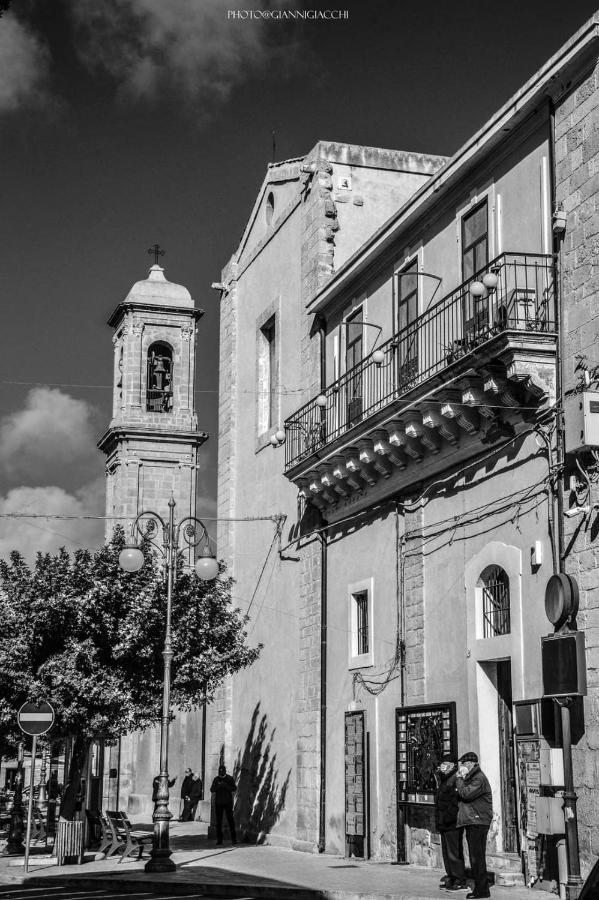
[
  {"x": 103, "y": 833},
  {"x": 130, "y": 840}
]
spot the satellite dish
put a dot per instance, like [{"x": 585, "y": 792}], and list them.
[{"x": 561, "y": 599}]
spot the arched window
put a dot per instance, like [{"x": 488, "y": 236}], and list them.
[
  {"x": 159, "y": 393},
  {"x": 270, "y": 207},
  {"x": 496, "y": 601}
]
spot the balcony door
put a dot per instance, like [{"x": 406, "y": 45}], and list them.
[
  {"x": 354, "y": 353},
  {"x": 475, "y": 256},
  {"x": 407, "y": 313}
]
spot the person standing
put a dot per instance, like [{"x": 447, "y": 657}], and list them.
[
  {"x": 195, "y": 795},
  {"x": 185, "y": 785},
  {"x": 156, "y": 786},
  {"x": 223, "y": 787},
  {"x": 452, "y": 837},
  {"x": 475, "y": 814}
]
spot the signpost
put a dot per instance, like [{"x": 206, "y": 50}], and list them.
[{"x": 34, "y": 719}]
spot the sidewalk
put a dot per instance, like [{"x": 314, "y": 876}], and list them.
[{"x": 264, "y": 872}]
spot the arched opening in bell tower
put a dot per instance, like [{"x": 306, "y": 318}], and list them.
[{"x": 159, "y": 392}]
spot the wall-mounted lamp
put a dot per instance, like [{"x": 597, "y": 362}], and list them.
[{"x": 559, "y": 219}]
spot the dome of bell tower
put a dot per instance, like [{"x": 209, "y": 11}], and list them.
[{"x": 155, "y": 289}]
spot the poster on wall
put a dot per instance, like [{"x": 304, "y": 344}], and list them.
[
  {"x": 529, "y": 783},
  {"x": 423, "y": 735}
]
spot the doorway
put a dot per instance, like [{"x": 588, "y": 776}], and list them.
[{"x": 506, "y": 756}]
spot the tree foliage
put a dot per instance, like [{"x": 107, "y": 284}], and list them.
[{"x": 88, "y": 637}]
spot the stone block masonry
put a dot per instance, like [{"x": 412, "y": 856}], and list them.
[{"x": 577, "y": 189}]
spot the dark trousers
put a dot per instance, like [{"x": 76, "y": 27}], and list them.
[
  {"x": 227, "y": 809},
  {"x": 189, "y": 810},
  {"x": 476, "y": 836},
  {"x": 452, "y": 846}
]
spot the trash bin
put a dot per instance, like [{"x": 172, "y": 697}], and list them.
[{"x": 68, "y": 846}]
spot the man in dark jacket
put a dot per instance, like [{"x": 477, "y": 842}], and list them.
[
  {"x": 194, "y": 795},
  {"x": 452, "y": 837},
  {"x": 185, "y": 785},
  {"x": 223, "y": 787},
  {"x": 475, "y": 814}
]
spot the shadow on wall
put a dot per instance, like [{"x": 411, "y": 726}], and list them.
[{"x": 259, "y": 800}]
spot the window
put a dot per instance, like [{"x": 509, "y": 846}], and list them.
[
  {"x": 475, "y": 241},
  {"x": 267, "y": 374},
  {"x": 354, "y": 350},
  {"x": 407, "y": 312},
  {"x": 407, "y": 295},
  {"x": 496, "y": 602},
  {"x": 270, "y": 207},
  {"x": 360, "y": 624},
  {"x": 159, "y": 392},
  {"x": 362, "y": 636}
]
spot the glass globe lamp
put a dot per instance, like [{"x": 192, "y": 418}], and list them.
[
  {"x": 206, "y": 565},
  {"x": 131, "y": 559}
]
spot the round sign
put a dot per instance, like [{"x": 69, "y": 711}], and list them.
[
  {"x": 35, "y": 718},
  {"x": 561, "y": 598}
]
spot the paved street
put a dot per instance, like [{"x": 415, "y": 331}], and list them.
[
  {"x": 66, "y": 892},
  {"x": 230, "y": 873}
]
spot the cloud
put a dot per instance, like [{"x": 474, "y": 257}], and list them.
[
  {"x": 50, "y": 466},
  {"x": 190, "y": 46},
  {"x": 51, "y": 441},
  {"x": 24, "y": 64},
  {"x": 30, "y": 535}
]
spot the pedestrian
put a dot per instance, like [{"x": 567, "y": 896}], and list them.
[
  {"x": 452, "y": 837},
  {"x": 185, "y": 784},
  {"x": 223, "y": 787},
  {"x": 474, "y": 815},
  {"x": 194, "y": 795},
  {"x": 156, "y": 785}
]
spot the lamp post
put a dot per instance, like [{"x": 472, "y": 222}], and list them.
[{"x": 131, "y": 559}]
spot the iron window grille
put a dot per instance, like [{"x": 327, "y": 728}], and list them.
[
  {"x": 363, "y": 641},
  {"x": 496, "y": 603}
]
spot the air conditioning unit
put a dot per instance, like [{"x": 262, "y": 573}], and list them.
[{"x": 581, "y": 417}]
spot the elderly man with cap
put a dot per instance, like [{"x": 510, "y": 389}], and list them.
[
  {"x": 446, "y": 809},
  {"x": 475, "y": 814}
]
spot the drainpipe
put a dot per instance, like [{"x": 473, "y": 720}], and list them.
[
  {"x": 323, "y": 693},
  {"x": 574, "y": 883}
]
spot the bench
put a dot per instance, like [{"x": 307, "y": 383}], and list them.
[{"x": 126, "y": 837}]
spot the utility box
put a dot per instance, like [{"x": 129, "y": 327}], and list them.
[
  {"x": 550, "y": 815},
  {"x": 581, "y": 418}
]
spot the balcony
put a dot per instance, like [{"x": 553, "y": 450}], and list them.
[{"x": 488, "y": 345}]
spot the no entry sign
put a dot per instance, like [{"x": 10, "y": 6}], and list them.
[{"x": 35, "y": 719}]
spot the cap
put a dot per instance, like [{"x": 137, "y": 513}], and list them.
[
  {"x": 469, "y": 757},
  {"x": 448, "y": 758}
]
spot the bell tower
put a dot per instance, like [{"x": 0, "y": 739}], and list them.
[
  {"x": 151, "y": 449},
  {"x": 153, "y": 440}
]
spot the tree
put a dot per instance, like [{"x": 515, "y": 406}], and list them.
[{"x": 80, "y": 632}]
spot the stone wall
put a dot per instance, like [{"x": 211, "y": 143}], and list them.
[{"x": 577, "y": 185}]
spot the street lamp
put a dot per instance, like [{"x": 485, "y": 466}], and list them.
[{"x": 131, "y": 559}]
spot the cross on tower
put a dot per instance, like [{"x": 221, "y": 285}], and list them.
[{"x": 157, "y": 251}]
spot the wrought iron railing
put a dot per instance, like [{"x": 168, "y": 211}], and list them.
[{"x": 514, "y": 292}]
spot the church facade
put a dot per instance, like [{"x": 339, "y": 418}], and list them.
[
  {"x": 152, "y": 453},
  {"x": 405, "y": 344}
]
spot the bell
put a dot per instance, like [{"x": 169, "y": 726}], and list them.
[{"x": 159, "y": 365}]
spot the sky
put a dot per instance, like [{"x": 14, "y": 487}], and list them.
[{"x": 126, "y": 122}]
